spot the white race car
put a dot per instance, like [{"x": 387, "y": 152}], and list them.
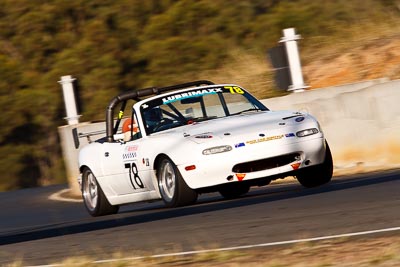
[{"x": 194, "y": 138}]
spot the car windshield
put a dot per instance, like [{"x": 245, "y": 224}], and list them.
[{"x": 196, "y": 105}]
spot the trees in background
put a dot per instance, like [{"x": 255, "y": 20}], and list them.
[{"x": 113, "y": 46}]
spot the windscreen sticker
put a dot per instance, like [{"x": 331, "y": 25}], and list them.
[
  {"x": 234, "y": 89},
  {"x": 196, "y": 93}
]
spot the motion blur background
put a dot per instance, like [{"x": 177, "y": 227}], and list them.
[{"x": 114, "y": 46}]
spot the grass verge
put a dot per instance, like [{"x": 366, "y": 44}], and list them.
[{"x": 365, "y": 251}]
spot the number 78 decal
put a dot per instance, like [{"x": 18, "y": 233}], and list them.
[
  {"x": 136, "y": 179},
  {"x": 234, "y": 89}
]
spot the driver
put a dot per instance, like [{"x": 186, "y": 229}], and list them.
[
  {"x": 126, "y": 129},
  {"x": 152, "y": 117}
]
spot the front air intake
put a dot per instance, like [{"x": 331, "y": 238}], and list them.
[{"x": 266, "y": 164}]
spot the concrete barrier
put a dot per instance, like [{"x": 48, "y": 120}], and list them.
[
  {"x": 361, "y": 122},
  {"x": 70, "y": 152}
]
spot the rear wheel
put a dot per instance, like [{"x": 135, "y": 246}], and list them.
[
  {"x": 319, "y": 174},
  {"x": 94, "y": 199},
  {"x": 173, "y": 189},
  {"x": 234, "y": 190}
]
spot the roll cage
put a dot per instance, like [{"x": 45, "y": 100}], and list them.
[{"x": 136, "y": 95}]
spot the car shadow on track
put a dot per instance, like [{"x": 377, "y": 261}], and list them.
[{"x": 206, "y": 204}]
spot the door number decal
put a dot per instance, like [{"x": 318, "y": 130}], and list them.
[{"x": 135, "y": 180}]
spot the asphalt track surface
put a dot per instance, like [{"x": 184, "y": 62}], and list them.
[{"x": 42, "y": 231}]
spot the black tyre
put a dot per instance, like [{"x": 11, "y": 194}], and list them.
[
  {"x": 319, "y": 174},
  {"x": 234, "y": 190},
  {"x": 94, "y": 199},
  {"x": 174, "y": 190}
]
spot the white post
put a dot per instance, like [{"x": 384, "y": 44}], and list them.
[
  {"x": 292, "y": 51},
  {"x": 69, "y": 99}
]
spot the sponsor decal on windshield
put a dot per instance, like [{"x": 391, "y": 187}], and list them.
[
  {"x": 234, "y": 89},
  {"x": 195, "y": 93}
]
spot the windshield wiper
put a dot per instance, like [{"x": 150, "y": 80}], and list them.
[
  {"x": 246, "y": 110},
  {"x": 199, "y": 119}
]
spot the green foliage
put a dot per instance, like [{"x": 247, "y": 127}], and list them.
[{"x": 113, "y": 46}]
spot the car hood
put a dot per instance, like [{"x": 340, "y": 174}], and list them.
[{"x": 264, "y": 122}]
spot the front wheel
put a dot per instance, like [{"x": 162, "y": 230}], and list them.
[
  {"x": 173, "y": 189},
  {"x": 94, "y": 199},
  {"x": 317, "y": 175}
]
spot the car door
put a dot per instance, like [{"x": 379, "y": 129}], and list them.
[
  {"x": 127, "y": 172},
  {"x": 124, "y": 170},
  {"x": 114, "y": 168},
  {"x": 132, "y": 167}
]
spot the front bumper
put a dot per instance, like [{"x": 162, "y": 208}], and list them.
[{"x": 254, "y": 162}]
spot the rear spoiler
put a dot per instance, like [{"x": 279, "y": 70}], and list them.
[
  {"x": 135, "y": 95},
  {"x": 88, "y": 135}
]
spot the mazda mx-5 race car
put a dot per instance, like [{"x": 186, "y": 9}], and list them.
[{"x": 183, "y": 140}]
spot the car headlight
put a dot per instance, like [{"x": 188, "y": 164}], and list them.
[
  {"x": 216, "y": 149},
  {"x": 307, "y": 132}
]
